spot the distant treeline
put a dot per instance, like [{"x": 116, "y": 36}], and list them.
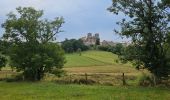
[
  {"x": 117, "y": 49},
  {"x": 73, "y": 45}
]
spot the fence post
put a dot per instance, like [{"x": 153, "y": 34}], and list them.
[
  {"x": 70, "y": 78},
  {"x": 123, "y": 79},
  {"x": 86, "y": 77}
]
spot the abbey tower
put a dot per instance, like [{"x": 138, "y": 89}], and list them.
[{"x": 90, "y": 39}]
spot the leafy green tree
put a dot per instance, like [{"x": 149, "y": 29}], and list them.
[
  {"x": 118, "y": 48},
  {"x": 97, "y": 41},
  {"x": 3, "y": 59},
  {"x": 73, "y": 45},
  {"x": 166, "y": 2},
  {"x": 148, "y": 27},
  {"x": 104, "y": 48},
  {"x": 79, "y": 51},
  {"x": 33, "y": 49}
]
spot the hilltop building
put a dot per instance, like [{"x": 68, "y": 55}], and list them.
[
  {"x": 90, "y": 39},
  {"x": 108, "y": 43},
  {"x": 111, "y": 43}
]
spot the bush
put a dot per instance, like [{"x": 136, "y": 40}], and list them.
[
  {"x": 103, "y": 48},
  {"x": 3, "y": 61},
  {"x": 34, "y": 65},
  {"x": 58, "y": 72},
  {"x": 73, "y": 45},
  {"x": 146, "y": 79},
  {"x": 84, "y": 81},
  {"x": 117, "y": 49}
]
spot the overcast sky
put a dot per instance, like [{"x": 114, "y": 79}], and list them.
[{"x": 81, "y": 16}]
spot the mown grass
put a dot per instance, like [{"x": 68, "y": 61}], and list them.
[
  {"x": 74, "y": 60},
  {"x": 106, "y": 57},
  {"x": 52, "y": 91},
  {"x": 90, "y": 58},
  {"x": 99, "y": 65}
]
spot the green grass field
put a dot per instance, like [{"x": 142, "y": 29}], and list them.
[
  {"x": 52, "y": 91},
  {"x": 91, "y": 58},
  {"x": 100, "y": 67}
]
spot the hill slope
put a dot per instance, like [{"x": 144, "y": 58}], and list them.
[{"x": 90, "y": 58}]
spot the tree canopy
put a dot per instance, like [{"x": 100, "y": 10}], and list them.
[
  {"x": 73, "y": 45},
  {"x": 148, "y": 27},
  {"x": 33, "y": 49}
]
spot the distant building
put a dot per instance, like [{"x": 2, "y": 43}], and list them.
[
  {"x": 111, "y": 43},
  {"x": 90, "y": 39},
  {"x": 108, "y": 43}
]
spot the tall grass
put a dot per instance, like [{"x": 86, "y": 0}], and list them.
[{"x": 52, "y": 91}]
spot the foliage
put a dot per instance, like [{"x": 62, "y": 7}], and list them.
[
  {"x": 73, "y": 45},
  {"x": 59, "y": 72},
  {"x": 97, "y": 41},
  {"x": 148, "y": 27},
  {"x": 33, "y": 51},
  {"x": 166, "y": 2},
  {"x": 3, "y": 59},
  {"x": 103, "y": 48},
  {"x": 79, "y": 51},
  {"x": 146, "y": 80},
  {"x": 117, "y": 49}
]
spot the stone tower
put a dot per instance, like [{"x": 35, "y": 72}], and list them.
[
  {"x": 89, "y": 35},
  {"x": 97, "y": 36},
  {"x": 90, "y": 39}
]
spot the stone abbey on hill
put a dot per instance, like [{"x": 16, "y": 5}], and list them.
[{"x": 90, "y": 39}]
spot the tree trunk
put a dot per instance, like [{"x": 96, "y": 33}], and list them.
[{"x": 38, "y": 75}]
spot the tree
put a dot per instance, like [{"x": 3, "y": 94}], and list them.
[
  {"x": 148, "y": 27},
  {"x": 33, "y": 49},
  {"x": 3, "y": 59},
  {"x": 118, "y": 48},
  {"x": 166, "y": 2},
  {"x": 97, "y": 41},
  {"x": 73, "y": 45},
  {"x": 79, "y": 51}
]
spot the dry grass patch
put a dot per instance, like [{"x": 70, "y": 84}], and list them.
[{"x": 103, "y": 69}]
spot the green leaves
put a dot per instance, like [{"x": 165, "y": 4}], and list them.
[
  {"x": 27, "y": 25},
  {"x": 73, "y": 45},
  {"x": 3, "y": 61},
  {"x": 33, "y": 49},
  {"x": 148, "y": 27}
]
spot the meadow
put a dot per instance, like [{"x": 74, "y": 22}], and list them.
[
  {"x": 53, "y": 91},
  {"x": 100, "y": 67},
  {"x": 90, "y": 58}
]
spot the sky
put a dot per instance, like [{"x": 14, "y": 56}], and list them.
[{"x": 81, "y": 16}]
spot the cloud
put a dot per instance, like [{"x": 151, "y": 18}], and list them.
[{"x": 81, "y": 16}]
